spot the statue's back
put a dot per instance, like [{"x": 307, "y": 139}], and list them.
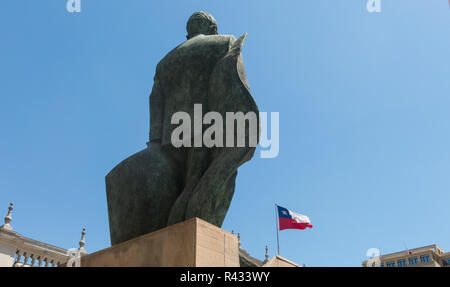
[{"x": 184, "y": 76}]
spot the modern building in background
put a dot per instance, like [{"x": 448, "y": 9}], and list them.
[{"x": 426, "y": 256}]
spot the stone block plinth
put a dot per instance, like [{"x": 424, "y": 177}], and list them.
[{"x": 192, "y": 243}]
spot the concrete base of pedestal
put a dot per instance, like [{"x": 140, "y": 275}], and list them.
[{"x": 192, "y": 243}]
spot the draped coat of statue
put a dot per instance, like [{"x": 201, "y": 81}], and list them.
[{"x": 163, "y": 185}]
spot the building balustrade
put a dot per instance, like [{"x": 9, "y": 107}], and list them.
[{"x": 19, "y": 251}]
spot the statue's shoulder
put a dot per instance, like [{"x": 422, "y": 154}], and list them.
[
  {"x": 217, "y": 45},
  {"x": 207, "y": 40}
]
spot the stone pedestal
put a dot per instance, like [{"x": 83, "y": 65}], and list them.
[{"x": 192, "y": 243}]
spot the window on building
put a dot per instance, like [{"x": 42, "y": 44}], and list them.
[
  {"x": 425, "y": 258},
  {"x": 390, "y": 264},
  {"x": 401, "y": 263},
  {"x": 413, "y": 260},
  {"x": 446, "y": 261},
  {"x": 381, "y": 264}
]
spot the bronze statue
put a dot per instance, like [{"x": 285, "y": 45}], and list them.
[{"x": 162, "y": 184}]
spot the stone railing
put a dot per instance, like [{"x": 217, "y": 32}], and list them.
[
  {"x": 32, "y": 253},
  {"x": 19, "y": 251}
]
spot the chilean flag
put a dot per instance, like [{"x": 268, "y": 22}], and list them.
[{"x": 291, "y": 220}]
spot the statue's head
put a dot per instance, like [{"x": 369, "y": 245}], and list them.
[{"x": 201, "y": 23}]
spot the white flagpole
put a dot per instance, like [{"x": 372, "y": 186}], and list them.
[{"x": 276, "y": 219}]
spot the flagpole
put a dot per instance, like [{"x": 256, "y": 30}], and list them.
[{"x": 276, "y": 222}]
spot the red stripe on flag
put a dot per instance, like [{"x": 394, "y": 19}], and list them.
[{"x": 287, "y": 223}]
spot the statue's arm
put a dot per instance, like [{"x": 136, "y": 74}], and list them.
[{"x": 156, "y": 111}]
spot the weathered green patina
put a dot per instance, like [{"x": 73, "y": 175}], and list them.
[{"x": 163, "y": 185}]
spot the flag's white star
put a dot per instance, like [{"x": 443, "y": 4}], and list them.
[{"x": 284, "y": 212}]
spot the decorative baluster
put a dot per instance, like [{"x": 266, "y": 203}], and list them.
[
  {"x": 267, "y": 255},
  {"x": 46, "y": 262},
  {"x": 51, "y": 263},
  {"x": 82, "y": 241},
  {"x": 8, "y": 218},
  {"x": 39, "y": 264},
  {"x": 19, "y": 256},
  {"x": 33, "y": 260},
  {"x": 25, "y": 260}
]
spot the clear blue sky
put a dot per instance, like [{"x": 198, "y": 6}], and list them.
[{"x": 364, "y": 118}]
